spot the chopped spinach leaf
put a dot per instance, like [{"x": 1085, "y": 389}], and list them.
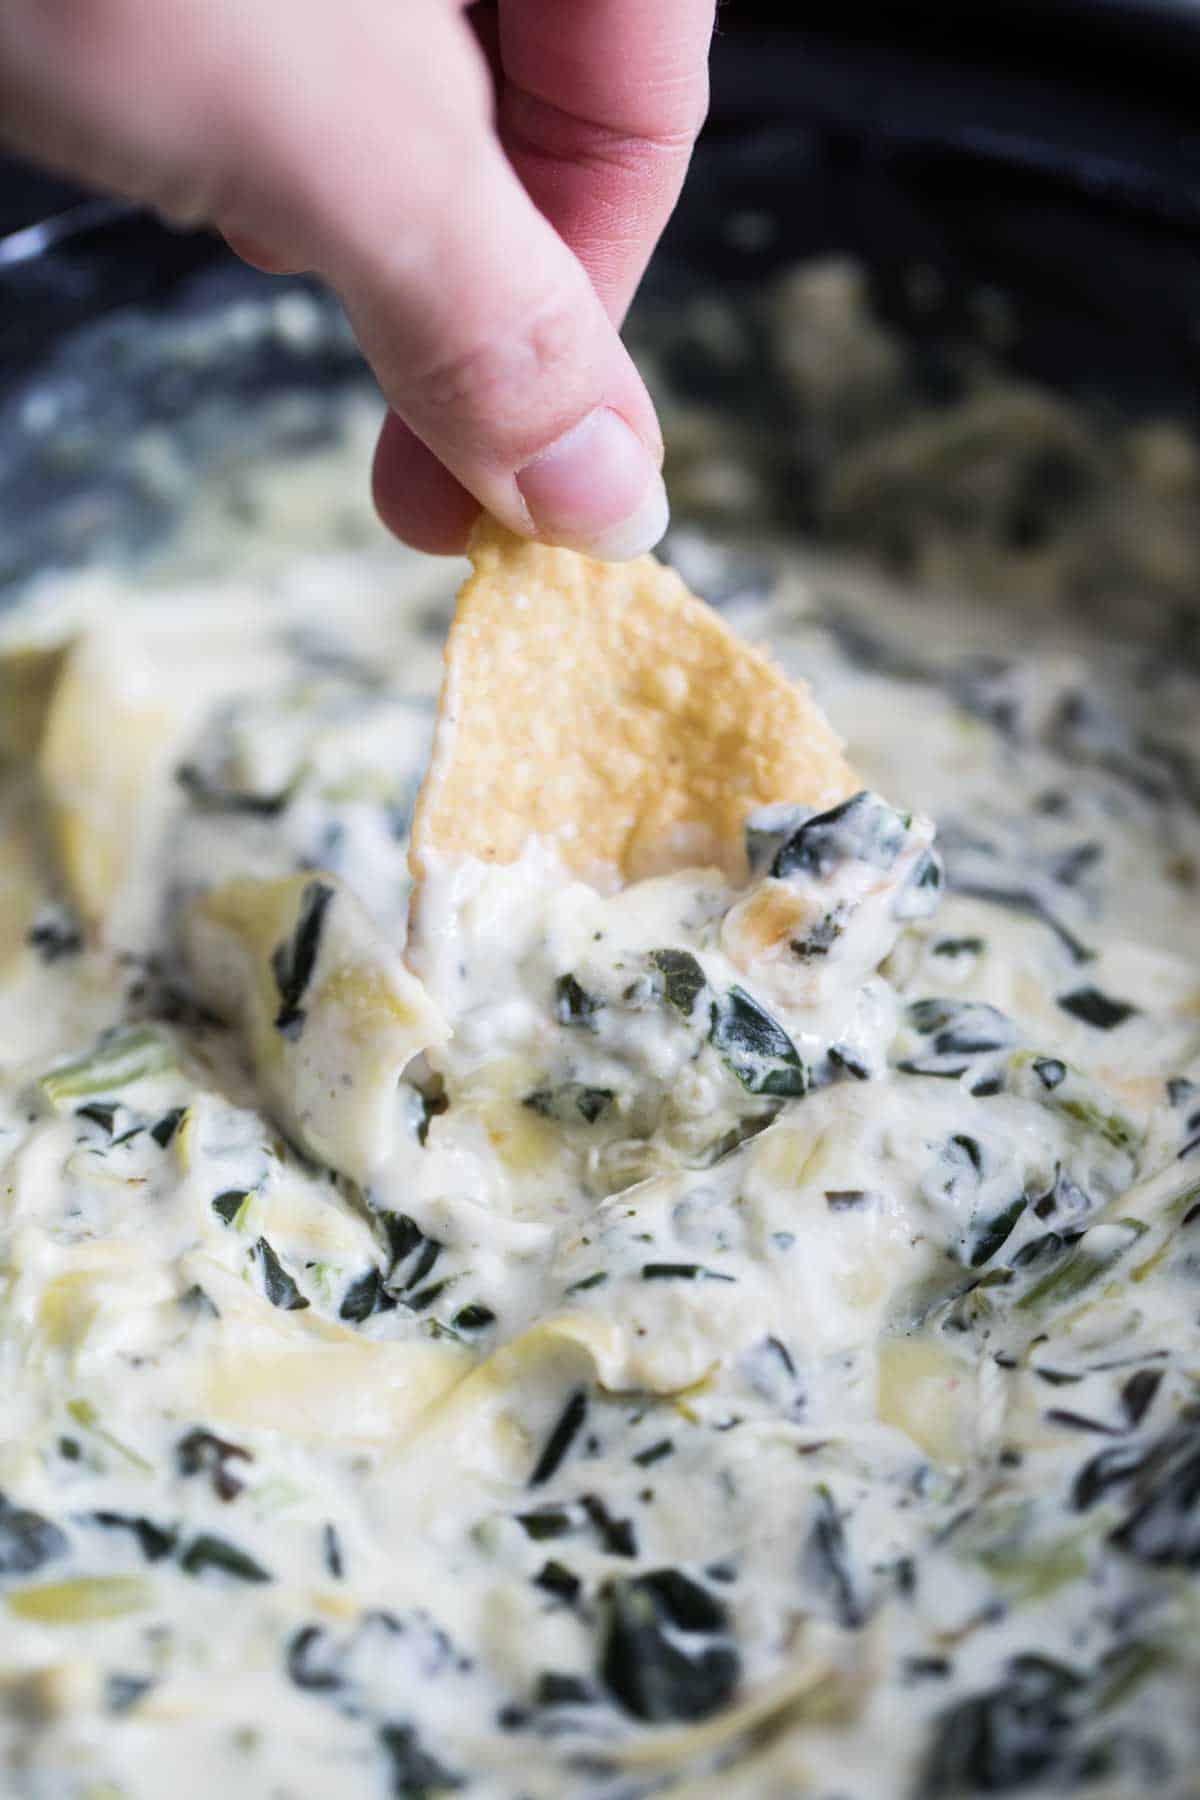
[
  {"x": 654, "y": 1453},
  {"x": 847, "y": 1199},
  {"x": 617, "y": 1535},
  {"x": 98, "y": 1112},
  {"x": 566, "y": 1430},
  {"x": 278, "y": 1285},
  {"x": 413, "y": 1254},
  {"x": 847, "y": 1063},
  {"x": 365, "y": 1295},
  {"x": 1003, "y": 1739},
  {"x": 673, "y": 1271},
  {"x": 313, "y": 1660},
  {"x": 821, "y": 939},
  {"x": 164, "y": 1131},
  {"x": 768, "y": 829},
  {"x": 995, "y": 1232},
  {"x": 573, "y": 1005},
  {"x": 474, "y": 1317},
  {"x": 293, "y": 961},
  {"x": 202, "y": 1452},
  {"x": 27, "y": 1539},
  {"x": 427, "y": 1295},
  {"x": 432, "y": 1107},
  {"x": 961, "y": 1027},
  {"x": 922, "y": 893},
  {"x": 208, "y": 796},
  {"x": 415, "y": 1775},
  {"x": 154, "y": 1541},
  {"x": 53, "y": 937},
  {"x": 570, "y": 1101},
  {"x": 863, "y": 828},
  {"x": 1138, "y": 1394},
  {"x": 122, "y": 1692},
  {"x": 556, "y": 1689},
  {"x": 229, "y": 1204},
  {"x": 683, "y": 980},
  {"x": 665, "y": 1652},
  {"x": 331, "y": 1546},
  {"x": 1095, "y": 1008},
  {"x": 959, "y": 946},
  {"x": 556, "y": 1579},
  {"x": 1162, "y": 1526},
  {"x": 596, "y": 1279},
  {"x": 546, "y": 1522},
  {"x": 209, "y": 1552},
  {"x": 829, "y": 1561},
  {"x": 755, "y": 1048}
]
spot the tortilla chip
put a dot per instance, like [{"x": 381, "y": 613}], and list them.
[{"x": 603, "y": 709}]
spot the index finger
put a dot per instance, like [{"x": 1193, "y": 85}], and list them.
[{"x": 600, "y": 106}]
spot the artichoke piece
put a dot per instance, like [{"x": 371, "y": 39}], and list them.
[
  {"x": 108, "y": 735},
  {"x": 28, "y": 673},
  {"x": 330, "y": 1013},
  {"x": 120, "y": 1057},
  {"x": 130, "y": 696},
  {"x": 79, "y": 1602}
]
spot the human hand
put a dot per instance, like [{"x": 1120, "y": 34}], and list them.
[{"x": 483, "y": 200}]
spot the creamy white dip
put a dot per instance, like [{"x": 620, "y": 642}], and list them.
[{"x": 754, "y": 1351}]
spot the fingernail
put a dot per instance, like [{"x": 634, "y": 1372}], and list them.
[{"x": 597, "y": 489}]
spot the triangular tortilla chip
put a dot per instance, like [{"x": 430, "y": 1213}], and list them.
[{"x": 603, "y": 709}]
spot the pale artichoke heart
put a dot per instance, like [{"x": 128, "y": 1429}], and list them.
[
  {"x": 330, "y": 1014},
  {"x": 318, "y": 1380},
  {"x": 130, "y": 694}
]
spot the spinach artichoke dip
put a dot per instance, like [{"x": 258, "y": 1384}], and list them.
[{"x": 725, "y": 1323}]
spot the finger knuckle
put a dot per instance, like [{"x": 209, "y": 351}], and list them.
[{"x": 491, "y": 387}]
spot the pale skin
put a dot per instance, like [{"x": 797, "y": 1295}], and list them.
[{"x": 482, "y": 187}]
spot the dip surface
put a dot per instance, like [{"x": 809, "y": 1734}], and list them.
[{"x": 758, "y": 1353}]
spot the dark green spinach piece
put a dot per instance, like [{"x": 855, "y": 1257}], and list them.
[
  {"x": 1005, "y": 1738},
  {"x": 314, "y": 1660},
  {"x": 209, "y": 1552},
  {"x": 828, "y": 1560},
  {"x": 665, "y": 1651},
  {"x": 366, "y": 1295},
  {"x": 474, "y": 1317},
  {"x": 202, "y": 1452},
  {"x": 167, "y": 1126},
  {"x": 293, "y": 961},
  {"x": 278, "y": 1285},
  {"x": 990, "y": 1235},
  {"x": 1096, "y": 1008},
  {"x": 27, "y": 1539},
  {"x": 755, "y": 1048},
  {"x": 573, "y": 1005},
  {"x": 673, "y": 1271},
  {"x": 413, "y": 1254},
  {"x": 414, "y": 1773},
  {"x": 229, "y": 1204},
  {"x": 683, "y": 979},
  {"x": 556, "y": 1579},
  {"x": 570, "y": 1102},
  {"x": 863, "y": 828},
  {"x": 154, "y": 1541},
  {"x": 566, "y": 1430}
]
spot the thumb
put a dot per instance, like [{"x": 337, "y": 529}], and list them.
[{"x": 490, "y": 343}]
